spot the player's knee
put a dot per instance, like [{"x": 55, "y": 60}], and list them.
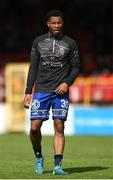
[
  {"x": 34, "y": 129},
  {"x": 59, "y": 129},
  {"x": 35, "y": 126}
]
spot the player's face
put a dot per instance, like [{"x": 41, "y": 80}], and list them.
[{"x": 55, "y": 25}]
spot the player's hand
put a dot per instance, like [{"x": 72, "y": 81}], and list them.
[
  {"x": 27, "y": 100},
  {"x": 62, "y": 88}
]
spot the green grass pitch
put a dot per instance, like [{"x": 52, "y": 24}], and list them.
[{"x": 88, "y": 157}]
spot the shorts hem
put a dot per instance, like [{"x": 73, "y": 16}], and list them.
[
  {"x": 42, "y": 119},
  {"x": 63, "y": 119}
]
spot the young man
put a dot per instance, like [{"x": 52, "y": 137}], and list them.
[{"x": 54, "y": 66}]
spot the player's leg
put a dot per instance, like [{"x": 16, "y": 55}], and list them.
[
  {"x": 39, "y": 113},
  {"x": 60, "y": 109},
  {"x": 59, "y": 143},
  {"x": 59, "y": 140},
  {"x": 36, "y": 137}
]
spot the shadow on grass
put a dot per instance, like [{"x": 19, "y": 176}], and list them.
[
  {"x": 84, "y": 169},
  {"x": 81, "y": 169}
]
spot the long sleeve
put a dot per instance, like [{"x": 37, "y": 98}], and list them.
[
  {"x": 74, "y": 64},
  {"x": 33, "y": 68}
]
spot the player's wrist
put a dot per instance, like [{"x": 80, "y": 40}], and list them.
[{"x": 66, "y": 84}]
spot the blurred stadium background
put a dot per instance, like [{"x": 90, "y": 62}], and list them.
[
  {"x": 89, "y": 128},
  {"x": 89, "y": 22}
]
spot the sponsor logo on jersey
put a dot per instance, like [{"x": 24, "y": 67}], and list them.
[{"x": 62, "y": 50}]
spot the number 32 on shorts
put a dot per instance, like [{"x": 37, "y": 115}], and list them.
[{"x": 64, "y": 103}]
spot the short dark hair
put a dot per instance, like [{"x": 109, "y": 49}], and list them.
[{"x": 54, "y": 13}]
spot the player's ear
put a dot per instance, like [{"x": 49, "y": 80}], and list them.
[{"x": 47, "y": 23}]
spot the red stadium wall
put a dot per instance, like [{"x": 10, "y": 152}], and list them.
[{"x": 89, "y": 90}]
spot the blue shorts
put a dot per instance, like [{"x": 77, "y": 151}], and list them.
[{"x": 42, "y": 102}]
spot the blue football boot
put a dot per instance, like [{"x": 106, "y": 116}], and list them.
[
  {"x": 39, "y": 169},
  {"x": 59, "y": 171}
]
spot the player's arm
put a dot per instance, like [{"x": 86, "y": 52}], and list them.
[
  {"x": 32, "y": 73},
  {"x": 27, "y": 100},
  {"x": 74, "y": 64}
]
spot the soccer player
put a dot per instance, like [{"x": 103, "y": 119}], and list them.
[{"x": 54, "y": 66}]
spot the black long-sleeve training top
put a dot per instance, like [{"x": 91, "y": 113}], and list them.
[{"x": 53, "y": 61}]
